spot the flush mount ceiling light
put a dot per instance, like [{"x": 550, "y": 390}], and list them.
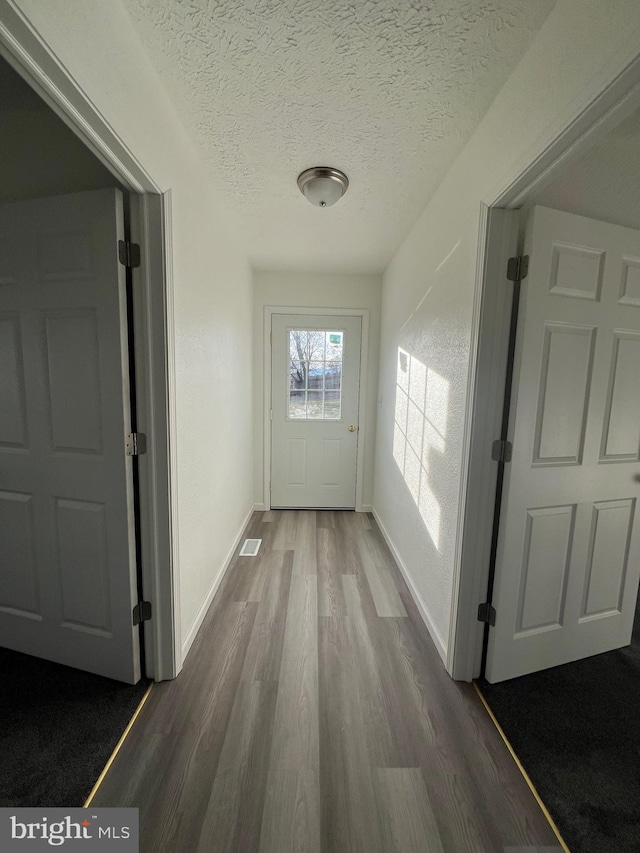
[{"x": 322, "y": 185}]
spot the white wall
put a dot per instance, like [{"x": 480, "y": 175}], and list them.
[
  {"x": 604, "y": 183},
  {"x": 316, "y": 290},
  {"x": 213, "y": 318},
  {"x": 29, "y": 169},
  {"x": 428, "y": 289}
]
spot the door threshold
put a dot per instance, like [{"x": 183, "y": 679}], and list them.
[{"x": 318, "y": 508}]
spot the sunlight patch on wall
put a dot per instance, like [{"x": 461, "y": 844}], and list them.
[{"x": 420, "y": 429}]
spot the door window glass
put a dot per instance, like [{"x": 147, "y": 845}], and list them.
[{"x": 315, "y": 374}]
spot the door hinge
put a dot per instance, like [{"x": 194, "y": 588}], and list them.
[
  {"x": 487, "y": 613},
  {"x": 501, "y": 450},
  {"x": 136, "y": 444},
  {"x": 518, "y": 267},
  {"x": 141, "y": 612},
  {"x": 129, "y": 253}
]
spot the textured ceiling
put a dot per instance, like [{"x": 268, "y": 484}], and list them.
[
  {"x": 605, "y": 182},
  {"x": 386, "y": 91}
]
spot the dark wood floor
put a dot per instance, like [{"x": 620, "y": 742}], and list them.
[{"x": 314, "y": 714}]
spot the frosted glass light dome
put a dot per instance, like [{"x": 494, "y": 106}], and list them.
[{"x": 322, "y": 185}]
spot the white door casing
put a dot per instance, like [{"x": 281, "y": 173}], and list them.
[
  {"x": 66, "y": 496},
  {"x": 314, "y": 428},
  {"x": 568, "y": 561}
]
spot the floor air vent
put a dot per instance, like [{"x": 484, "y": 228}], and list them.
[{"x": 250, "y": 548}]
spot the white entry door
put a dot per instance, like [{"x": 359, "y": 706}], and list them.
[
  {"x": 569, "y": 548},
  {"x": 67, "y": 547},
  {"x": 315, "y": 385}
]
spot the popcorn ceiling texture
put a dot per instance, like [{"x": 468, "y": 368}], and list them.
[{"x": 387, "y": 91}]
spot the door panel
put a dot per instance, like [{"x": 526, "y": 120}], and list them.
[
  {"x": 576, "y": 272},
  {"x": 67, "y": 541},
  {"x": 568, "y": 561},
  {"x": 611, "y": 529},
  {"x": 315, "y": 386},
  {"x": 296, "y": 462},
  {"x": 630, "y": 290},
  {"x": 73, "y": 367},
  {"x": 19, "y": 591},
  {"x": 620, "y": 434},
  {"x": 545, "y": 565},
  {"x": 83, "y": 564},
  {"x": 12, "y": 413},
  {"x": 567, "y": 357},
  {"x": 331, "y": 457}
]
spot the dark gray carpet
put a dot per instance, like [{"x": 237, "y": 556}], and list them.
[
  {"x": 576, "y": 729},
  {"x": 58, "y": 727}
]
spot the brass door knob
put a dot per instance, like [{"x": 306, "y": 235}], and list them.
[{"x": 352, "y": 428}]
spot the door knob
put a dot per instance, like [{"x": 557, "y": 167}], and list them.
[{"x": 352, "y": 428}]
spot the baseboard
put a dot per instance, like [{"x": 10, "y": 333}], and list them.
[
  {"x": 259, "y": 507},
  {"x": 422, "y": 607},
  {"x": 193, "y": 631},
  {"x": 366, "y": 508}
]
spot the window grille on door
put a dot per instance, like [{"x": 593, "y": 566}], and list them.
[{"x": 315, "y": 374}]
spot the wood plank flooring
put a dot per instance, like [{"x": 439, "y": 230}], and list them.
[{"x": 314, "y": 715}]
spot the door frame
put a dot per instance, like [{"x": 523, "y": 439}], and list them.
[
  {"x": 363, "y": 313},
  {"x": 154, "y": 354},
  {"x": 487, "y": 366}
]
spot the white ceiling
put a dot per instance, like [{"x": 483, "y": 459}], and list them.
[
  {"x": 605, "y": 182},
  {"x": 386, "y": 90}
]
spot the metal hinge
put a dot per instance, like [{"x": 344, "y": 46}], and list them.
[
  {"x": 129, "y": 253},
  {"x": 487, "y": 613},
  {"x": 501, "y": 450},
  {"x": 517, "y": 267},
  {"x": 141, "y": 612},
  {"x": 136, "y": 444}
]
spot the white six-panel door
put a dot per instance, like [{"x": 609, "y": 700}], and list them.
[
  {"x": 315, "y": 385},
  {"x": 67, "y": 549},
  {"x": 568, "y": 560}
]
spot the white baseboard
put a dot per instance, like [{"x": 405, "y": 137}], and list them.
[
  {"x": 366, "y": 508},
  {"x": 422, "y": 607},
  {"x": 188, "y": 641},
  {"x": 259, "y": 508}
]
